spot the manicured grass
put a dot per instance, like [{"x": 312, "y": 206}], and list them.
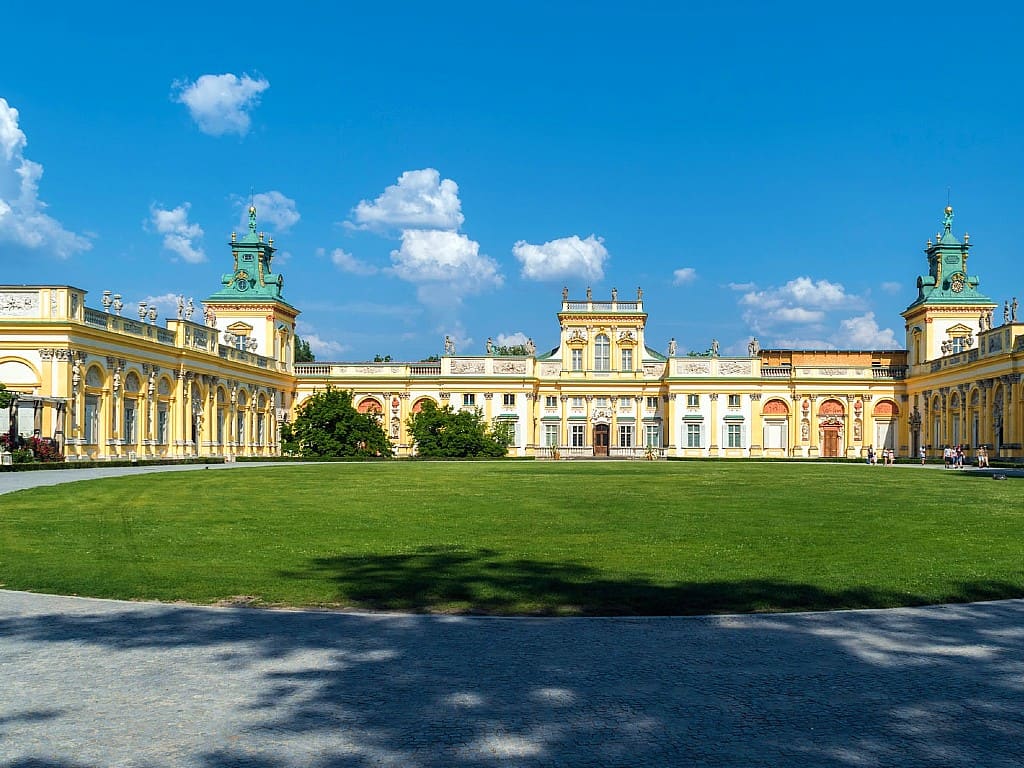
[{"x": 515, "y": 537}]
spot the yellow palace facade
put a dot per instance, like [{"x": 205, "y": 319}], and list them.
[{"x": 105, "y": 385}]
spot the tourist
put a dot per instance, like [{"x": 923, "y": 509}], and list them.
[
  {"x": 922, "y": 453},
  {"x": 947, "y": 457},
  {"x": 871, "y": 455}
]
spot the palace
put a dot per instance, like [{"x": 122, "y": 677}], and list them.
[{"x": 107, "y": 386}]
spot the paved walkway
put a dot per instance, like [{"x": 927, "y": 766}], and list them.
[{"x": 92, "y": 684}]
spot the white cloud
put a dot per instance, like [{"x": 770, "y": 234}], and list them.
[
  {"x": 799, "y": 315},
  {"x": 684, "y": 275},
  {"x": 272, "y": 208},
  {"x": 179, "y": 234},
  {"x": 22, "y": 220},
  {"x": 323, "y": 348},
  {"x": 221, "y": 103},
  {"x": 516, "y": 339},
  {"x": 862, "y": 332},
  {"x": 742, "y": 286},
  {"x": 445, "y": 265},
  {"x": 803, "y": 343},
  {"x": 346, "y": 262},
  {"x": 565, "y": 257},
  {"x": 892, "y": 287},
  {"x": 418, "y": 200},
  {"x": 166, "y": 304}
]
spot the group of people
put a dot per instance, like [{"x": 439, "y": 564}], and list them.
[
  {"x": 953, "y": 456},
  {"x": 888, "y": 456}
]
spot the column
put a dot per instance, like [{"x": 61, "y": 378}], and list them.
[
  {"x": 669, "y": 424},
  {"x": 756, "y": 426},
  {"x": 813, "y": 427},
  {"x": 714, "y": 428},
  {"x": 851, "y": 449}
]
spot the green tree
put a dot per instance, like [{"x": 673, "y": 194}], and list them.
[
  {"x": 445, "y": 432},
  {"x": 328, "y": 424},
  {"x": 507, "y": 350},
  {"x": 382, "y": 358},
  {"x": 303, "y": 354},
  {"x": 431, "y": 359},
  {"x": 6, "y": 398}
]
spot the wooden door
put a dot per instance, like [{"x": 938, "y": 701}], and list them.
[
  {"x": 830, "y": 443},
  {"x": 601, "y": 433}
]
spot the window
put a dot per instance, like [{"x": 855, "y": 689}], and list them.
[
  {"x": 240, "y": 428},
  {"x": 551, "y": 435},
  {"x": 129, "y": 422},
  {"x": 601, "y": 402},
  {"x": 602, "y": 353},
  {"x": 734, "y": 401},
  {"x": 734, "y": 435},
  {"x": 578, "y": 439},
  {"x": 652, "y": 436},
  {"x": 508, "y": 400},
  {"x": 625, "y": 435},
  {"x": 92, "y": 419},
  {"x": 652, "y": 403},
  {"x": 261, "y": 434},
  {"x": 693, "y": 435},
  {"x": 577, "y": 402},
  {"x": 577, "y": 359},
  {"x": 624, "y": 402},
  {"x": 220, "y": 426},
  {"x": 627, "y": 359},
  {"x": 161, "y": 424},
  {"x": 550, "y": 401},
  {"x": 692, "y": 401},
  {"x": 469, "y": 399},
  {"x": 959, "y": 344}
]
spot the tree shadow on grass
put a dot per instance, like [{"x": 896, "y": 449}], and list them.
[{"x": 457, "y": 580}]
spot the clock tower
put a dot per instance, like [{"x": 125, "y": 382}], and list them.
[
  {"x": 946, "y": 315},
  {"x": 249, "y": 309}
]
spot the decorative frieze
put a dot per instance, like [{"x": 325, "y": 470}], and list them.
[{"x": 19, "y": 304}]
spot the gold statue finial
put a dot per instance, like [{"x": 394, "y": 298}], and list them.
[{"x": 949, "y": 209}]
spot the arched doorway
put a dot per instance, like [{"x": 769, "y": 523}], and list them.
[
  {"x": 885, "y": 415},
  {"x": 831, "y": 414},
  {"x": 601, "y": 435}
]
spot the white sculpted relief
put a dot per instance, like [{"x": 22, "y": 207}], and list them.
[
  {"x": 693, "y": 367},
  {"x": 19, "y": 304},
  {"x": 734, "y": 368},
  {"x": 467, "y": 366},
  {"x": 550, "y": 369},
  {"x": 509, "y": 367}
]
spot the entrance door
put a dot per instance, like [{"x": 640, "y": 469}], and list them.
[
  {"x": 830, "y": 443},
  {"x": 601, "y": 432}
]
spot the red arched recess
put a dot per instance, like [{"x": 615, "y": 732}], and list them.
[
  {"x": 886, "y": 408},
  {"x": 369, "y": 405},
  {"x": 831, "y": 408},
  {"x": 775, "y": 408},
  {"x": 418, "y": 405}
]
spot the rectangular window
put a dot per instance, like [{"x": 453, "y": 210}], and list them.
[
  {"x": 652, "y": 403},
  {"x": 692, "y": 401},
  {"x": 627, "y": 359},
  {"x": 92, "y": 419},
  {"x": 602, "y": 353},
  {"x": 652, "y": 436},
  {"x": 625, "y": 435},
  {"x": 469, "y": 399},
  {"x": 734, "y": 436},
  {"x": 734, "y": 401},
  {"x": 551, "y": 435},
  {"x": 693, "y": 436},
  {"x": 508, "y": 400},
  {"x": 578, "y": 439},
  {"x": 577, "y": 402},
  {"x": 261, "y": 434},
  {"x": 161, "y": 424},
  {"x": 128, "y": 433},
  {"x": 220, "y": 426},
  {"x": 550, "y": 401},
  {"x": 624, "y": 402},
  {"x": 577, "y": 359},
  {"x": 601, "y": 402},
  {"x": 240, "y": 429}
]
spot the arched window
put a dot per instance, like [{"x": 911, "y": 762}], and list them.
[{"x": 602, "y": 353}]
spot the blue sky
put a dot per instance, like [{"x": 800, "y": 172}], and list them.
[{"x": 428, "y": 169}]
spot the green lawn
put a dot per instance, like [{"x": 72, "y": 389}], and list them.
[{"x": 525, "y": 537}]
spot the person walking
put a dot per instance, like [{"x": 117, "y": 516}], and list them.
[
  {"x": 923, "y": 453},
  {"x": 947, "y": 457}
]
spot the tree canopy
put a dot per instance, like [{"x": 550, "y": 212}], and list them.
[
  {"x": 6, "y": 398},
  {"x": 445, "y": 432},
  {"x": 328, "y": 424},
  {"x": 303, "y": 354}
]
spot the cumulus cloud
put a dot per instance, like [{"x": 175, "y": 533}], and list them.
[
  {"x": 221, "y": 104},
  {"x": 346, "y": 262},
  {"x": 801, "y": 301},
  {"x": 516, "y": 339},
  {"x": 565, "y": 257},
  {"x": 180, "y": 235},
  {"x": 22, "y": 220},
  {"x": 418, "y": 200},
  {"x": 445, "y": 265},
  {"x": 742, "y": 286},
  {"x": 892, "y": 287},
  {"x": 862, "y": 332},
  {"x": 684, "y": 275},
  {"x": 272, "y": 208},
  {"x": 323, "y": 348}
]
